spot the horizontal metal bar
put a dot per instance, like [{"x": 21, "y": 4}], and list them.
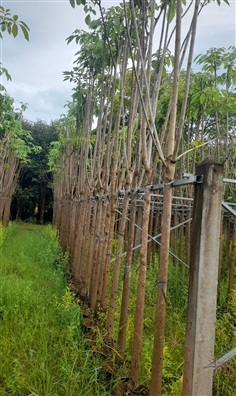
[
  {"x": 156, "y": 187},
  {"x": 228, "y": 208},
  {"x": 226, "y": 180},
  {"x": 173, "y": 197},
  {"x": 188, "y": 179}
]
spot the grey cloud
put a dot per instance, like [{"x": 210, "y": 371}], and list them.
[
  {"x": 46, "y": 103},
  {"x": 36, "y": 67}
]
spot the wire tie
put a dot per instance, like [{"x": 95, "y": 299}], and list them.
[{"x": 160, "y": 284}]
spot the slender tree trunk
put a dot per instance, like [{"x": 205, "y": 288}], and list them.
[
  {"x": 220, "y": 259},
  {"x": 138, "y": 230},
  {"x": 126, "y": 282},
  {"x": 140, "y": 301},
  {"x": 99, "y": 256},
  {"x": 85, "y": 249},
  {"x": 116, "y": 273},
  {"x": 41, "y": 206},
  {"x": 232, "y": 261},
  {"x": 95, "y": 269},
  {"x": 78, "y": 241},
  {"x": 88, "y": 270},
  {"x": 157, "y": 360},
  {"x": 73, "y": 217},
  {"x": 112, "y": 216}
]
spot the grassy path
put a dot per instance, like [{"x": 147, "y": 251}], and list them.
[{"x": 42, "y": 348}]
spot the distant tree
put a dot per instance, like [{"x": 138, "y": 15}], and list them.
[
  {"x": 33, "y": 196},
  {"x": 219, "y": 95},
  {"x": 15, "y": 142},
  {"x": 15, "y": 147}
]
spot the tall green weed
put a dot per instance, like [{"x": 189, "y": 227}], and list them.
[{"x": 43, "y": 351}]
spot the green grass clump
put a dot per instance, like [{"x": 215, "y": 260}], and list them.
[
  {"x": 43, "y": 351},
  {"x": 2, "y": 233}
]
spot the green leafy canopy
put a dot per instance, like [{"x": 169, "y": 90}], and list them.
[{"x": 10, "y": 23}]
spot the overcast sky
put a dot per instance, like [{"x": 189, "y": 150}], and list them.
[{"x": 36, "y": 66}]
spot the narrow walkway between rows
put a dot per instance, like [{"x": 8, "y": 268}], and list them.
[{"x": 43, "y": 351}]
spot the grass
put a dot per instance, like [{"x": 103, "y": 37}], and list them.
[
  {"x": 43, "y": 351},
  {"x": 177, "y": 296}
]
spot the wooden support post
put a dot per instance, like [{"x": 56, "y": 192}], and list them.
[{"x": 200, "y": 335}]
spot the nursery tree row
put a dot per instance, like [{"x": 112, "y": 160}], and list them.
[{"x": 137, "y": 118}]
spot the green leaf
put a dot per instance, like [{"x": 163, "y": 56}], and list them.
[
  {"x": 88, "y": 20},
  {"x": 24, "y": 24},
  {"x": 202, "y": 98},
  {"x": 69, "y": 39},
  {"x": 72, "y": 3},
  {"x": 3, "y": 70},
  {"x": 95, "y": 24},
  {"x": 14, "y": 30},
  {"x": 171, "y": 14},
  {"x": 9, "y": 28},
  {"x": 197, "y": 143},
  {"x": 25, "y": 32},
  {"x": 15, "y": 18}
]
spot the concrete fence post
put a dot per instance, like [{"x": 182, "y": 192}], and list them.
[{"x": 200, "y": 333}]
